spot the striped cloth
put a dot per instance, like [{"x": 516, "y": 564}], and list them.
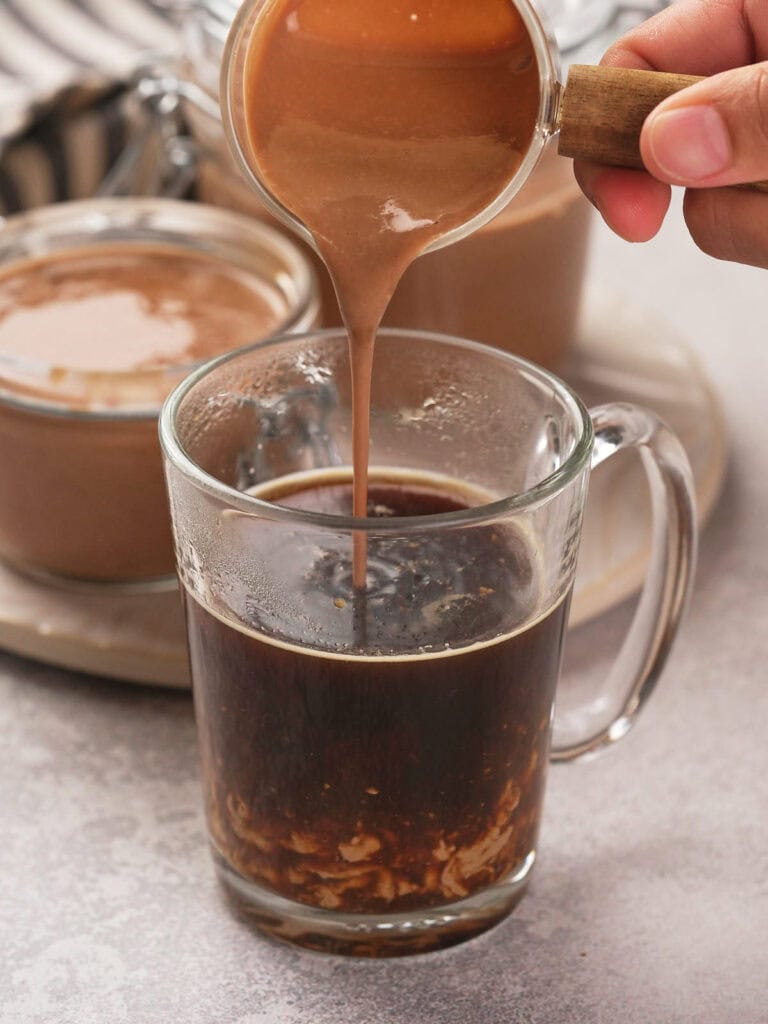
[{"x": 63, "y": 68}]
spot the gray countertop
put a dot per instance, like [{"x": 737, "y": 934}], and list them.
[{"x": 650, "y": 899}]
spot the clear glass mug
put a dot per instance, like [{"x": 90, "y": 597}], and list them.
[{"x": 373, "y": 762}]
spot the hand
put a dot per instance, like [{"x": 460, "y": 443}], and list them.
[{"x": 714, "y": 133}]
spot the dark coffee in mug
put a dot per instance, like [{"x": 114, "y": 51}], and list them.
[
  {"x": 374, "y": 757},
  {"x": 351, "y": 773}
]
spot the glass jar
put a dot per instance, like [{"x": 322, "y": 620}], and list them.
[
  {"x": 516, "y": 283},
  {"x": 83, "y": 490}
]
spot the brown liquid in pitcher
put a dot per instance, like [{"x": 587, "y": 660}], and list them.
[{"x": 382, "y": 127}]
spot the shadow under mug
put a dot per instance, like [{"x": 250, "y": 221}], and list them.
[{"x": 373, "y": 762}]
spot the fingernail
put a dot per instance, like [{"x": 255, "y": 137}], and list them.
[{"x": 689, "y": 143}]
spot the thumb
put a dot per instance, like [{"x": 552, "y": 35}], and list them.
[{"x": 712, "y": 133}]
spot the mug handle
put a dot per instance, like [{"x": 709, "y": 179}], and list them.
[{"x": 667, "y": 584}]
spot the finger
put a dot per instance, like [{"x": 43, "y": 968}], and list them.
[
  {"x": 696, "y": 37},
  {"x": 713, "y": 133},
  {"x": 631, "y": 203},
  {"x": 728, "y": 224}
]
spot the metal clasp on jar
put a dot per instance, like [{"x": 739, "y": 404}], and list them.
[{"x": 161, "y": 158}]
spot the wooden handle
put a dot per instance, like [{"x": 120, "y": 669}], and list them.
[{"x": 602, "y": 110}]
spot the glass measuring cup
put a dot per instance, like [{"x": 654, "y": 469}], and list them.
[
  {"x": 598, "y": 114},
  {"x": 234, "y": 117}
]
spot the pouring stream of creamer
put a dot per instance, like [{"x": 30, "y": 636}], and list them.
[
  {"x": 382, "y": 127},
  {"x": 382, "y": 130}
]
